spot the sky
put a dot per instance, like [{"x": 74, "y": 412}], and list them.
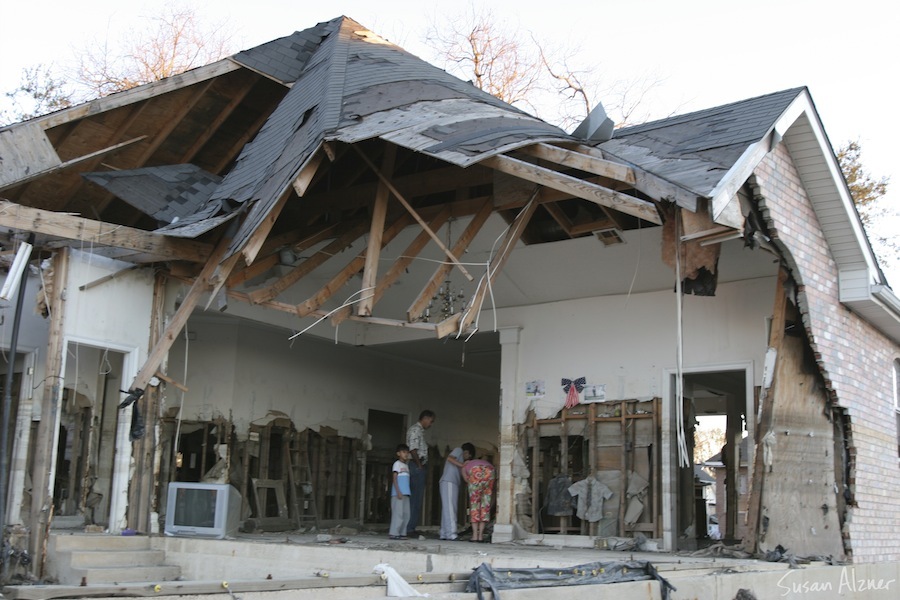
[{"x": 702, "y": 53}]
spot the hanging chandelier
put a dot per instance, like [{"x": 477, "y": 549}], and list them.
[{"x": 444, "y": 302}]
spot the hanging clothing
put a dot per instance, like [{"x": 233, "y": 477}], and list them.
[
  {"x": 559, "y": 500},
  {"x": 591, "y": 494}
]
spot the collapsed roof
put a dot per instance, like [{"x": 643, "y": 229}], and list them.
[{"x": 292, "y": 144}]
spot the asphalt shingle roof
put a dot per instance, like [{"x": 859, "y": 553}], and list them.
[{"x": 696, "y": 149}]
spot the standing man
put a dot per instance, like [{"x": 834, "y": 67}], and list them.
[
  {"x": 450, "y": 491},
  {"x": 418, "y": 447}
]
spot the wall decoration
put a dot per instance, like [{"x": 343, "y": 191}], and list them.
[
  {"x": 595, "y": 393},
  {"x": 535, "y": 390},
  {"x": 572, "y": 388}
]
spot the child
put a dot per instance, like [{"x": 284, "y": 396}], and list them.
[{"x": 400, "y": 495}]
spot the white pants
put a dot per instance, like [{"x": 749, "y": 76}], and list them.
[
  {"x": 449, "y": 502},
  {"x": 399, "y": 515}
]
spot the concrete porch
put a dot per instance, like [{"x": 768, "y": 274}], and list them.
[{"x": 267, "y": 566}]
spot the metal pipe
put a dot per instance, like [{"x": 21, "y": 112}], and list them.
[{"x": 7, "y": 402}]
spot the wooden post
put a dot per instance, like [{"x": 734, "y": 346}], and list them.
[
  {"x": 535, "y": 474},
  {"x": 758, "y": 478},
  {"x": 48, "y": 429},
  {"x": 141, "y": 498}
]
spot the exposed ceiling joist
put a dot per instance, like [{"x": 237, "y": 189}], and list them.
[
  {"x": 310, "y": 264},
  {"x": 70, "y": 227},
  {"x": 400, "y": 265},
  {"x": 415, "y": 214},
  {"x": 352, "y": 268},
  {"x": 576, "y": 187},
  {"x": 373, "y": 252},
  {"x": 440, "y": 274},
  {"x": 515, "y": 231}
]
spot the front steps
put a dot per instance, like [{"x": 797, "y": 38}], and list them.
[{"x": 102, "y": 559}]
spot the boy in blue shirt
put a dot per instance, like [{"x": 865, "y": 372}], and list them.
[{"x": 400, "y": 495}]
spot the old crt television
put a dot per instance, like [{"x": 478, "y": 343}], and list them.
[{"x": 210, "y": 510}]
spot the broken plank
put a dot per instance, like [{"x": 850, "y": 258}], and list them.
[
  {"x": 575, "y": 186},
  {"x": 70, "y": 227},
  {"x": 181, "y": 588},
  {"x": 582, "y": 162},
  {"x": 71, "y": 163}
]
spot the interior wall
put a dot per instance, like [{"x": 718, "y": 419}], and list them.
[
  {"x": 248, "y": 373},
  {"x": 115, "y": 312},
  {"x": 626, "y": 343}
]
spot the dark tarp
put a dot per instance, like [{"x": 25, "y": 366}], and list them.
[{"x": 485, "y": 578}]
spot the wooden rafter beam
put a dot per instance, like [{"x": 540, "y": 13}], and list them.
[
  {"x": 575, "y": 186},
  {"x": 210, "y": 130},
  {"x": 498, "y": 262},
  {"x": 200, "y": 286},
  {"x": 582, "y": 162},
  {"x": 352, "y": 268},
  {"x": 415, "y": 215},
  {"x": 373, "y": 252},
  {"x": 309, "y": 265},
  {"x": 400, "y": 265},
  {"x": 70, "y": 227},
  {"x": 415, "y": 309},
  {"x": 411, "y": 186},
  {"x": 72, "y": 163},
  {"x": 647, "y": 183}
]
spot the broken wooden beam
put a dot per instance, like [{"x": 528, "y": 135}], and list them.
[
  {"x": 576, "y": 187},
  {"x": 71, "y": 227}
]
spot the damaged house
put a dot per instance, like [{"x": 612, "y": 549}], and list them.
[{"x": 260, "y": 271}]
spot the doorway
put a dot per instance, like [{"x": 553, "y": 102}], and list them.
[
  {"x": 387, "y": 429},
  {"x": 712, "y": 493},
  {"x": 92, "y": 449}
]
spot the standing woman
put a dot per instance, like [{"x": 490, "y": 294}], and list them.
[{"x": 479, "y": 474}]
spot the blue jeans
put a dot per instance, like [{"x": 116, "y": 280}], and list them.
[{"x": 416, "y": 494}]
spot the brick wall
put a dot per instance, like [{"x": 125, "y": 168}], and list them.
[{"x": 854, "y": 358}]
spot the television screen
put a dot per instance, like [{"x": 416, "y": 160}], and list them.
[{"x": 202, "y": 510}]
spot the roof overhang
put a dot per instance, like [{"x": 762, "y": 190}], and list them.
[{"x": 863, "y": 287}]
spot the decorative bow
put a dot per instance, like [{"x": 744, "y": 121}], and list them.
[{"x": 572, "y": 389}]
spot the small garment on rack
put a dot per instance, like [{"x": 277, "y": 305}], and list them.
[
  {"x": 559, "y": 500},
  {"x": 591, "y": 494}
]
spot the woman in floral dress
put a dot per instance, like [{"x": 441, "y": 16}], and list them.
[{"x": 479, "y": 475}]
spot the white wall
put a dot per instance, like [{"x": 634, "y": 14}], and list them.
[
  {"x": 626, "y": 343},
  {"x": 114, "y": 313}
]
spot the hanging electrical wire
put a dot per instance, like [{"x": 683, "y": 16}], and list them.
[{"x": 681, "y": 439}]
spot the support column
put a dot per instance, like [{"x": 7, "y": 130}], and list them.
[
  {"x": 509, "y": 396},
  {"x": 48, "y": 428}
]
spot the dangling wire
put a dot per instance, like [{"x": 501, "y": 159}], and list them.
[
  {"x": 181, "y": 397},
  {"x": 681, "y": 440},
  {"x": 105, "y": 366}
]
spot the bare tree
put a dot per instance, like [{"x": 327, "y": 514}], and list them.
[
  {"x": 548, "y": 79},
  {"x": 40, "y": 91},
  {"x": 707, "y": 442},
  {"x": 172, "y": 43},
  {"x": 472, "y": 46}
]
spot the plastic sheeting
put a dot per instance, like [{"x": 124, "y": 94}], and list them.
[
  {"x": 485, "y": 578},
  {"x": 396, "y": 585}
]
